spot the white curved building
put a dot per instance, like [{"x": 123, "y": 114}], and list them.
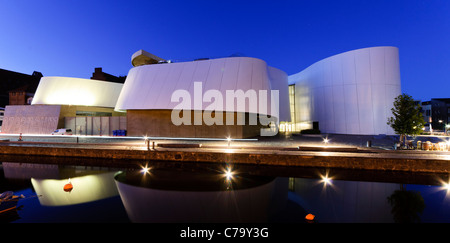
[
  {"x": 149, "y": 96},
  {"x": 349, "y": 93},
  {"x": 84, "y": 105},
  {"x": 76, "y": 91}
]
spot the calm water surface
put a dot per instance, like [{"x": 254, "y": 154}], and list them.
[{"x": 218, "y": 193}]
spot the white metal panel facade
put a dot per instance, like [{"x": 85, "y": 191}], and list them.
[
  {"x": 349, "y": 93},
  {"x": 76, "y": 91},
  {"x": 151, "y": 86}
]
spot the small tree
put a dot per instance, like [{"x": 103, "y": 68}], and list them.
[{"x": 407, "y": 119}]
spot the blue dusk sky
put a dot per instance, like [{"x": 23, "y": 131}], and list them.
[{"x": 72, "y": 37}]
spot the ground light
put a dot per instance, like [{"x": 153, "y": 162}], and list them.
[
  {"x": 446, "y": 186},
  {"x": 326, "y": 180},
  {"x": 145, "y": 170},
  {"x": 228, "y": 174}
]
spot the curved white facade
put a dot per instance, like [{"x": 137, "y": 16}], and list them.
[
  {"x": 76, "y": 91},
  {"x": 150, "y": 87},
  {"x": 349, "y": 93}
]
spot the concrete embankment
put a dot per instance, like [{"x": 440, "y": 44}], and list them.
[{"x": 332, "y": 157}]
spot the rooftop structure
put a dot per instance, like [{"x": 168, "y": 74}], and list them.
[{"x": 142, "y": 57}]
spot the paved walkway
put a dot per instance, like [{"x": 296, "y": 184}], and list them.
[
  {"x": 344, "y": 151},
  {"x": 276, "y": 141},
  {"x": 281, "y": 143},
  {"x": 360, "y": 141}
]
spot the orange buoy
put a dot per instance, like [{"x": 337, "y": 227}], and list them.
[
  {"x": 310, "y": 217},
  {"x": 68, "y": 187}
]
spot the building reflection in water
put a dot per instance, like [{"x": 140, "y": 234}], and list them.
[
  {"x": 337, "y": 201},
  {"x": 48, "y": 181},
  {"x": 86, "y": 188},
  {"x": 424, "y": 198},
  {"x": 207, "y": 193},
  {"x": 205, "y": 196}
]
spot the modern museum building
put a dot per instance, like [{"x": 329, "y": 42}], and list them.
[{"x": 238, "y": 97}]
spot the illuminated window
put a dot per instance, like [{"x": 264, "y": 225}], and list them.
[
  {"x": 93, "y": 113},
  {"x": 292, "y": 105}
]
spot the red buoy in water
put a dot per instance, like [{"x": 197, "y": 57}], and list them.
[
  {"x": 310, "y": 217},
  {"x": 68, "y": 187}
]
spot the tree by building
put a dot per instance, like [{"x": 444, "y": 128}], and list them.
[{"x": 407, "y": 118}]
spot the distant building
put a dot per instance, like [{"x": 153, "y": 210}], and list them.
[
  {"x": 22, "y": 95},
  {"x": 98, "y": 74},
  {"x": 436, "y": 114},
  {"x": 17, "y": 88},
  {"x": 425, "y": 108},
  {"x": 440, "y": 113}
]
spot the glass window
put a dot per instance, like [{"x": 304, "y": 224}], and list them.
[{"x": 93, "y": 113}]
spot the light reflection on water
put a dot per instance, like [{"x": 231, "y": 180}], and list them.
[{"x": 210, "y": 193}]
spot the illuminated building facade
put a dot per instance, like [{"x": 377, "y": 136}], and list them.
[
  {"x": 148, "y": 96},
  {"x": 349, "y": 93}
]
